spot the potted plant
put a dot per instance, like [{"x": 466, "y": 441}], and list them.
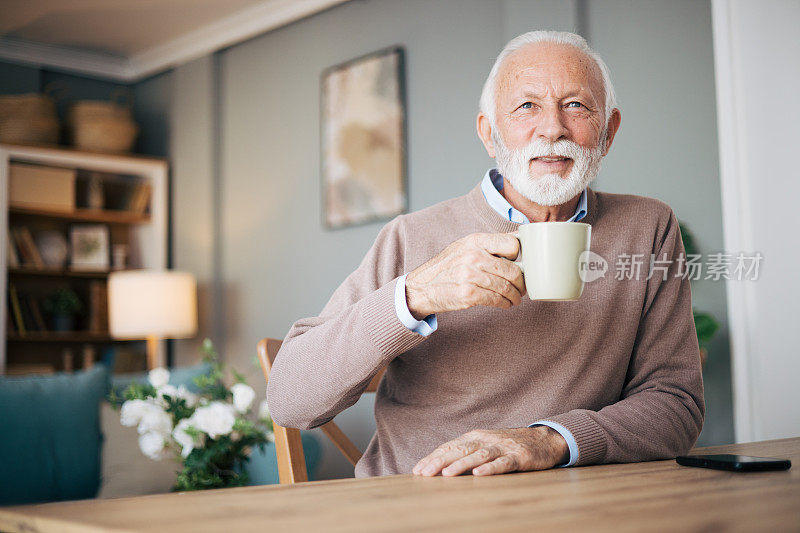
[
  {"x": 211, "y": 433},
  {"x": 63, "y": 305}
]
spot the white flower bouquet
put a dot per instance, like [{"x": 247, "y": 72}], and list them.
[{"x": 212, "y": 433}]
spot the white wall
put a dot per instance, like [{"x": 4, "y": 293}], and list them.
[{"x": 757, "y": 45}]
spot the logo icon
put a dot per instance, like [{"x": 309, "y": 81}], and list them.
[{"x": 591, "y": 266}]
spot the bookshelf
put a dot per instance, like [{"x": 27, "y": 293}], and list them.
[
  {"x": 134, "y": 216},
  {"x": 55, "y": 272},
  {"x": 84, "y": 215}
]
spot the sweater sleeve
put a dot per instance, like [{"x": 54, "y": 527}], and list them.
[
  {"x": 326, "y": 362},
  {"x": 661, "y": 409}
]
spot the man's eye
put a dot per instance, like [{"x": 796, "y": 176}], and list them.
[
  {"x": 526, "y": 105},
  {"x": 576, "y": 104}
]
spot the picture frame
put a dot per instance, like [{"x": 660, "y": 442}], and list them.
[
  {"x": 363, "y": 139},
  {"x": 90, "y": 246}
]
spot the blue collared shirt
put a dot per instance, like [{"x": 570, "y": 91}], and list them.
[{"x": 491, "y": 185}]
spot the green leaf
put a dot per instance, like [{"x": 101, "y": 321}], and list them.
[
  {"x": 178, "y": 408},
  {"x": 193, "y": 432},
  {"x": 219, "y": 463},
  {"x": 115, "y": 400},
  {"x": 706, "y": 327},
  {"x": 238, "y": 378},
  {"x": 139, "y": 391},
  {"x": 688, "y": 239}
]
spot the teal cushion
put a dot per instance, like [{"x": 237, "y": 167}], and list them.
[
  {"x": 263, "y": 465},
  {"x": 177, "y": 377},
  {"x": 50, "y": 440}
]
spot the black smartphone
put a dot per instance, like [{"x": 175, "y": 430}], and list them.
[{"x": 735, "y": 463}]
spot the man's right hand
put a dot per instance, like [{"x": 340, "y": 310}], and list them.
[{"x": 475, "y": 270}]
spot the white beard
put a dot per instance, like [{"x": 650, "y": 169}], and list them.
[{"x": 550, "y": 189}]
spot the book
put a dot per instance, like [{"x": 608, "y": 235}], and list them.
[
  {"x": 27, "y": 247},
  {"x": 98, "y": 307},
  {"x": 118, "y": 189},
  {"x": 67, "y": 360},
  {"x": 89, "y": 356},
  {"x": 11, "y": 252},
  {"x": 15, "y": 307},
  {"x": 36, "y": 311},
  {"x": 27, "y": 314},
  {"x": 10, "y": 326},
  {"x": 140, "y": 199}
]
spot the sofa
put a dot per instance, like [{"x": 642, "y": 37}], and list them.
[{"x": 61, "y": 440}]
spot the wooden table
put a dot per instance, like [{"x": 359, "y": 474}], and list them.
[{"x": 659, "y": 495}]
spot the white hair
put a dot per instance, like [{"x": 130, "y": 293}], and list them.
[{"x": 487, "y": 102}]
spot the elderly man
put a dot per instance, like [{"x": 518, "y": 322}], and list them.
[{"x": 479, "y": 379}]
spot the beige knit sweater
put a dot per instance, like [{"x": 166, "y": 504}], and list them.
[{"x": 620, "y": 368}]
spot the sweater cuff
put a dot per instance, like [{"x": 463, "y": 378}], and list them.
[
  {"x": 589, "y": 436},
  {"x": 390, "y": 336}
]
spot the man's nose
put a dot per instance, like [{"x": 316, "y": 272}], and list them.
[{"x": 551, "y": 124}]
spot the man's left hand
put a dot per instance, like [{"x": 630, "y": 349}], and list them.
[{"x": 497, "y": 451}]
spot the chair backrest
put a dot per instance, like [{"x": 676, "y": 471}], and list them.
[{"x": 288, "y": 446}]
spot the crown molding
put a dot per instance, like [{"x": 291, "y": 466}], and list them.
[
  {"x": 65, "y": 58},
  {"x": 223, "y": 33},
  {"x": 226, "y": 32}
]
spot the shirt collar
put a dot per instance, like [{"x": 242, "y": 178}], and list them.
[{"x": 492, "y": 184}]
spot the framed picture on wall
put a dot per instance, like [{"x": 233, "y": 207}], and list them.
[{"x": 363, "y": 133}]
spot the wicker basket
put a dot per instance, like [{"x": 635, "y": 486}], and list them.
[
  {"x": 94, "y": 109},
  {"x": 28, "y": 119},
  {"x": 104, "y": 135},
  {"x": 102, "y": 126}
]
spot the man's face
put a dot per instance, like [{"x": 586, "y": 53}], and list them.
[
  {"x": 550, "y": 129},
  {"x": 550, "y": 92}
]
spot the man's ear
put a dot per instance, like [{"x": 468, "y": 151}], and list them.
[
  {"x": 613, "y": 126},
  {"x": 485, "y": 133}
]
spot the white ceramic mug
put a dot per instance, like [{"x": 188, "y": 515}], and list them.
[{"x": 550, "y": 256}]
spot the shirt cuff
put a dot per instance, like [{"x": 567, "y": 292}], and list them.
[
  {"x": 424, "y": 327},
  {"x": 564, "y": 432}
]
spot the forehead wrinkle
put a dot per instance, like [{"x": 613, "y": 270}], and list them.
[{"x": 581, "y": 69}]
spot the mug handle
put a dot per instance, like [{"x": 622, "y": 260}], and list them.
[{"x": 518, "y": 261}]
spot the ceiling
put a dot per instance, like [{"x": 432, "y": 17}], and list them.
[{"x": 131, "y": 39}]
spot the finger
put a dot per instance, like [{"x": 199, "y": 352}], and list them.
[
  {"x": 434, "y": 463},
  {"x": 435, "y": 453},
  {"x": 499, "y": 244},
  {"x": 479, "y": 457},
  {"x": 499, "y": 285},
  {"x": 501, "y": 465},
  {"x": 504, "y": 268}
]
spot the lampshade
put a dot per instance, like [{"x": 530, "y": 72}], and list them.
[{"x": 159, "y": 303}]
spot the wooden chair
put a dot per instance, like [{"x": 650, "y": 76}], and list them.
[{"x": 288, "y": 446}]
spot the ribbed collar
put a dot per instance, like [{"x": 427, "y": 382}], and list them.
[{"x": 500, "y": 224}]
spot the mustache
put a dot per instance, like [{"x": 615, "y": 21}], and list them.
[{"x": 561, "y": 148}]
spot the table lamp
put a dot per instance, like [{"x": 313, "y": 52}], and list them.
[{"x": 152, "y": 305}]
